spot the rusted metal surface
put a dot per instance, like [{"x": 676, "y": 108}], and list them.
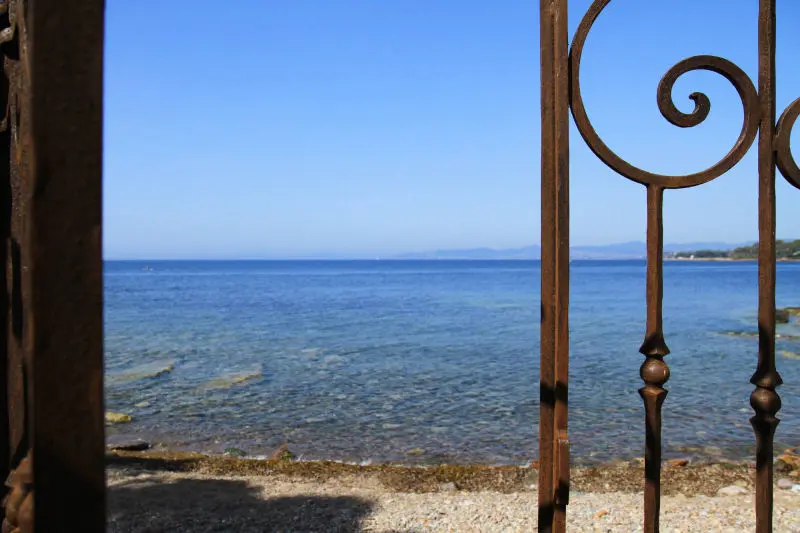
[
  {"x": 553, "y": 441},
  {"x": 52, "y": 430},
  {"x": 18, "y": 503},
  {"x": 14, "y": 192},
  {"x": 774, "y": 151},
  {"x": 786, "y": 162},
  {"x": 654, "y": 371},
  {"x": 764, "y": 399}
]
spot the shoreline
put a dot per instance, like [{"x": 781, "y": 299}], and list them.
[
  {"x": 678, "y": 477},
  {"x": 143, "y": 444},
  {"x": 161, "y": 492}
]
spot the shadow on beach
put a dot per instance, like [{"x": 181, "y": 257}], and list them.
[{"x": 200, "y": 505}]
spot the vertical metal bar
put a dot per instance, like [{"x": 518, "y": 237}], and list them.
[
  {"x": 654, "y": 371},
  {"x": 765, "y": 400},
  {"x": 561, "y": 177},
  {"x": 65, "y": 303},
  {"x": 548, "y": 297},
  {"x": 553, "y": 443},
  {"x": 15, "y": 191},
  {"x": 5, "y": 234}
]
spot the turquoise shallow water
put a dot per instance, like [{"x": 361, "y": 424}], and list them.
[{"x": 368, "y": 360}]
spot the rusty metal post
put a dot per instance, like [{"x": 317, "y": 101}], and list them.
[
  {"x": 66, "y": 266},
  {"x": 554, "y": 370},
  {"x": 654, "y": 371},
  {"x": 764, "y": 399},
  {"x": 18, "y": 503},
  {"x": 55, "y": 59}
]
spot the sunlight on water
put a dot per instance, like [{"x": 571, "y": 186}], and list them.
[{"x": 425, "y": 362}]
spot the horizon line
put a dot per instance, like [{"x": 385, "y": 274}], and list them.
[{"x": 403, "y": 256}]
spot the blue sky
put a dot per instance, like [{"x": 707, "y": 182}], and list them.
[{"x": 295, "y": 128}]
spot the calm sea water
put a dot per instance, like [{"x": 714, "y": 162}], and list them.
[{"x": 423, "y": 362}]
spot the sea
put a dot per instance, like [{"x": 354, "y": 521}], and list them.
[{"x": 431, "y": 362}]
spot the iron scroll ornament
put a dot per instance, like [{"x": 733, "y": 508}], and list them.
[
  {"x": 702, "y": 105},
  {"x": 774, "y": 151},
  {"x": 783, "y": 151}
]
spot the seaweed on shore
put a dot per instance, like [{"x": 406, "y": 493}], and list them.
[{"x": 705, "y": 479}]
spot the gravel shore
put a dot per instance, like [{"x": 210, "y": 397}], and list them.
[{"x": 155, "y": 501}]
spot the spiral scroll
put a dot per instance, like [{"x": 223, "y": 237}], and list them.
[
  {"x": 655, "y": 371},
  {"x": 783, "y": 151},
  {"x": 737, "y": 77}
]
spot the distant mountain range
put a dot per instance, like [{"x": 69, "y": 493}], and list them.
[{"x": 625, "y": 250}]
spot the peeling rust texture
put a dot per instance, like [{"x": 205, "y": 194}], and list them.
[
  {"x": 774, "y": 152},
  {"x": 52, "y": 421},
  {"x": 14, "y": 416}
]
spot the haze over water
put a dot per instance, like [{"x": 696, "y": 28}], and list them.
[{"x": 431, "y": 361}]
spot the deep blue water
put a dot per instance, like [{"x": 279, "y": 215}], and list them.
[{"x": 369, "y": 360}]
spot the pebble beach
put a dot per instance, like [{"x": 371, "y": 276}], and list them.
[{"x": 156, "y": 492}]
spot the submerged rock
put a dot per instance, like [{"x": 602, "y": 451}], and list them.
[
  {"x": 229, "y": 380},
  {"x": 781, "y": 316},
  {"x": 117, "y": 418},
  {"x": 150, "y": 370},
  {"x": 283, "y": 454},
  {"x": 234, "y": 452},
  {"x": 134, "y": 445},
  {"x": 712, "y": 450},
  {"x": 678, "y": 462}
]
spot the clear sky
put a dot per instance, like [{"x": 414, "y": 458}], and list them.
[{"x": 294, "y": 128}]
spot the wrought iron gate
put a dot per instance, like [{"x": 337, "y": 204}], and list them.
[
  {"x": 51, "y": 417},
  {"x": 561, "y": 93}
]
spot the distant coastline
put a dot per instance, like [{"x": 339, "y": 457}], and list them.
[
  {"x": 785, "y": 250},
  {"x": 729, "y": 259},
  {"x": 634, "y": 250}
]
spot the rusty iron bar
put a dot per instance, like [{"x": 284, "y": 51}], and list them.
[
  {"x": 17, "y": 473},
  {"x": 52, "y": 219},
  {"x": 554, "y": 370},
  {"x": 654, "y": 371},
  {"x": 66, "y": 266},
  {"x": 765, "y": 400},
  {"x": 5, "y": 233}
]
